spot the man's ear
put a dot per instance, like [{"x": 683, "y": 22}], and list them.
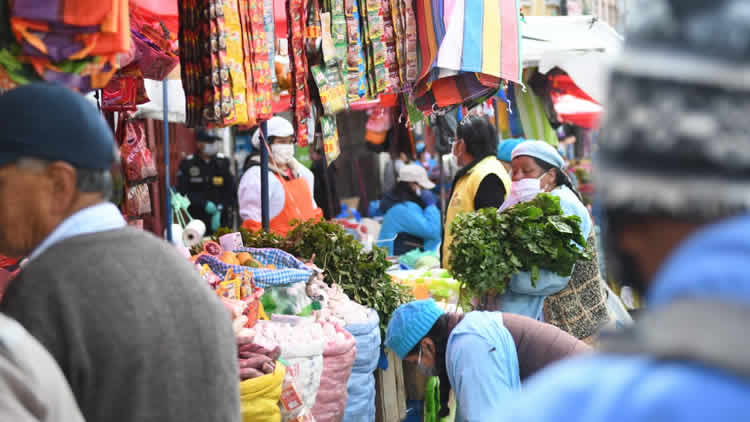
[{"x": 63, "y": 178}]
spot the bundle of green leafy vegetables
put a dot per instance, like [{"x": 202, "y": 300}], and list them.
[
  {"x": 362, "y": 275},
  {"x": 490, "y": 247}
]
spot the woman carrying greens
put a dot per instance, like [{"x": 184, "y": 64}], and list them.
[{"x": 575, "y": 303}]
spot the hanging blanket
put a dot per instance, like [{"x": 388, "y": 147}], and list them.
[{"x": 466, "y": 47}]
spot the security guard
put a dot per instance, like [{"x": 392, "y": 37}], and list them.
[{"x": 207, "y": 181}]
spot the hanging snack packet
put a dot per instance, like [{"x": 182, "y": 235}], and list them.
[
  {"x": 246, "y": 285},
  {"x": 328, "y": 46},
  {"x": 331, "y": 144}
]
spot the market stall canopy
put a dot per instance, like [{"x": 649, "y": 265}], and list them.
[
  {"x": 572, "y": 104},
  {"x": 579, "y": 45}
]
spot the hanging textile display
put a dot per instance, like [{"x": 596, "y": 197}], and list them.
[
  {"x": 75, "y": 43},
  {"x": 466, "y": 48}
]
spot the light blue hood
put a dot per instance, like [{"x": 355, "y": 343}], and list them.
[{"x": 714, "y": 263}]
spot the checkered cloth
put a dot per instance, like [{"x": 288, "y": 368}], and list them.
[{"x": 290, "y": 270}]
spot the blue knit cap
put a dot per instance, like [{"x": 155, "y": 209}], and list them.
[
  {"x": 51, "y": 122},
  {"x": 505, "y": 149},
  {"x": 410, "y": 324},
  {"x": 540, "y": 150}
]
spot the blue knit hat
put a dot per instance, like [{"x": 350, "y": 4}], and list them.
[
  {"x": 410, "y": 324},
  {"x": 505, "y": 149}
]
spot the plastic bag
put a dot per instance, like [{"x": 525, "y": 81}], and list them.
[
  {"x": 360, "y": 407},
  {"x": 338, "y": 358},
  {"x": 293, "y": 407},
  {"x": 120, "y": 94},
  {"x": 155, "y": 62},
  {"x": 138, "y": 201},
  {"x": 259, "y": 397},
  {"x": 138, "y": 162},
  {"x": 302, "y": 342},
  {"x": 125, "y": 91}
]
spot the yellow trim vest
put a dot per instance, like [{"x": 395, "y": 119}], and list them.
[{"x": 462, "y": 199}]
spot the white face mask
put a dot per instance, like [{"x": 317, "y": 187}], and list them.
[
  {"x": 282, "y": 153},
  {"x": 210, "y": 149},
  {"x": 522, "y": 190}
]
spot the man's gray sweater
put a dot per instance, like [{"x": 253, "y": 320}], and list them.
[{"x": 139, "y": 336}]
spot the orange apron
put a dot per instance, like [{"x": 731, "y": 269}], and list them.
[{"x": 298, "y": 205}]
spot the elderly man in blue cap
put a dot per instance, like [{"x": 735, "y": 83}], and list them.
[{"x": 137, "y": 333}]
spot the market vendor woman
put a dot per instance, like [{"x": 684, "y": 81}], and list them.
[
  {"x": 482, "y": 356},
  {"x": 577, "y": 302},
  {"x": 290, "y": 184}
]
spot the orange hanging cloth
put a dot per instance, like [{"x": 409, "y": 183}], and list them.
[{"x": 87, "y": 12}]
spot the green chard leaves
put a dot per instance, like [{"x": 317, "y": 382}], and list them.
[{"x": 490, "y": 247}]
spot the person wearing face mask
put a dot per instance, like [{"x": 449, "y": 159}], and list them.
[
  {"x": 410, "y": 218},
  {"x": 207, "y": 180},
  {"x": 482, "y": 181},
  {"x": 482, "y": 356},
  {"x": 576, "y": 303},
  {"x": 290, "y": 184}
]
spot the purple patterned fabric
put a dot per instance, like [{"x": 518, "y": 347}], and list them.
[{"x": 40, "y": 10}]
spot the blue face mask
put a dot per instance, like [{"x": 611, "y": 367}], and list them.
[{"x": 429, "y": 372}]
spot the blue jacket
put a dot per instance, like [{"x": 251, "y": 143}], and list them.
[
  {"x": 712, "y": 264},
  {"x": 482, "y": 364},
  {"x": 524, "y": 299},
  {"x": 404, "y": 214}
]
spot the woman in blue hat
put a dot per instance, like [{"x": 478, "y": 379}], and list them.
[
  {"x": 575, "y": 303},
  {"x": 481, "y": 356}
]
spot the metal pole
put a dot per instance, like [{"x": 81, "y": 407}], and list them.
[
  {"x": 563, "y": 7},
  {"x": 442, "y": 192},
  {"x": 165, "y": 117},
  {"x": 265, "y": 215}
]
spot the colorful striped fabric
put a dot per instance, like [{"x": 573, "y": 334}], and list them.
[
  {"x": 482, "y": 36},
  {"x": 466, "y": 47}
]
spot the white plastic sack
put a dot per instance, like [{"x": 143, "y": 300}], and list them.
[{"x": 302, "y": 343}]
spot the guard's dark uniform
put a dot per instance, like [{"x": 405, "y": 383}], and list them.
[{"x": 205, "y": 181}]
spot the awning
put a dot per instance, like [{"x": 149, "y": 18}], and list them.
[
  {"x": 579, "y": 45},
  {"x": 572, "y": 104}
]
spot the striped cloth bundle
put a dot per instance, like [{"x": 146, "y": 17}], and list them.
[{"x": 467, "y": 47}]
